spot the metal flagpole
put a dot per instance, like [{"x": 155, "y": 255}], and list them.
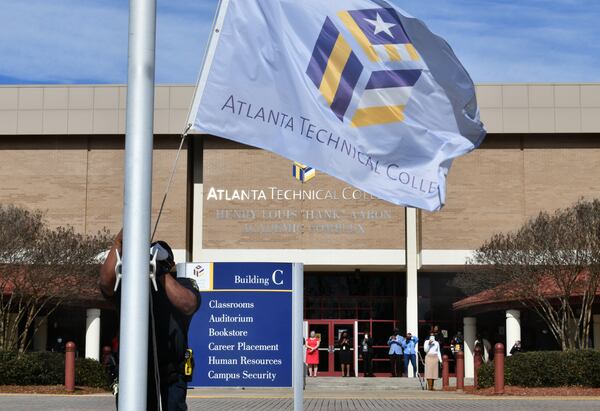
[
  {"x": 297, "y": 335},
  {"x": 135, "y": 290}
]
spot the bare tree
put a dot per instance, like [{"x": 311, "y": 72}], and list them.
[
  {"x": 40, "y": 268},
  {"x": 551, "y": 265}
]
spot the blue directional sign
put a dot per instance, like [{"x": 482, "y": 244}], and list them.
[{"x": 242, "y": 334}]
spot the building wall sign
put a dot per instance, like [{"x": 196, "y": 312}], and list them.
[
  {"x": 255, "y": 199},
  {"x": 242, "y": 334}
]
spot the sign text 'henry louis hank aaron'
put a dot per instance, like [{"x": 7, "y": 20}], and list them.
[
  {"x": 242, "y": 334},
  {"x": 358, "y": 89}
]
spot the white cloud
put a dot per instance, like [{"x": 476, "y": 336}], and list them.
[
  {"x": 518, "y": 41},
  {"x": 61, "y": 42},
  {"x": 75, "y": 41},
  {"x": 181, "y": 39}
]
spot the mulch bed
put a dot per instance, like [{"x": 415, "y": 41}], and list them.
[
  {"x": 48, "y": 389},
  {"x": 536, "y": 392}
]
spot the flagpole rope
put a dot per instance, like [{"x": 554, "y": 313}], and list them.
[
  {"x": 184, "y": 134},
  {"x": 208, "y": 56},
  {"x": 152, "y": 320},
  {"x": 173, "y": 169}
]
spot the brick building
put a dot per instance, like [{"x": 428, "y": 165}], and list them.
[{"x": 370, "y": 266}]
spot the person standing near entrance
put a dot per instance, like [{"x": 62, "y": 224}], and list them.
[
  {"x": 312, "y": 354},
  {"x": 457, "y": 343},
  {"x": 409, "y": 345},
  {"x": 432, "y": 361},
  {"x": 485, "y": 346},
  {"x": 516, "y": 348},
  {"x": 366, "y": 348},
  {"x": 345, "y": 354},
  {"x": 395, "y": 353}
]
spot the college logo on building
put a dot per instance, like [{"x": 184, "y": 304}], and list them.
[
  {"x": 386, "y": 55},
  {"x": 302, "y": 173}
]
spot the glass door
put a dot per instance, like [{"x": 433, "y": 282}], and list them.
[
  {"x": 329, "y": 333},
  {"x": 321, "y": 329},
  {"x": 339, "y": 327},
  {"x": 379, "y": 331}
]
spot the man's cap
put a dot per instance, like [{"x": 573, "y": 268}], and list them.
[{"x": 163, "y": 252}]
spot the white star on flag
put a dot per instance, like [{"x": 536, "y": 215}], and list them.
[{"x": 381, "y": 25}]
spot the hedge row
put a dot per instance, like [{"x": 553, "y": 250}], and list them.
[
  {"x": 46, "y": 368},
  {"x": 546, "y": 369}
]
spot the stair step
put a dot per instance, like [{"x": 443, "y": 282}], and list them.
[
  {"x": 349, "y": 384},
  {"x": 376, "y": 384}
]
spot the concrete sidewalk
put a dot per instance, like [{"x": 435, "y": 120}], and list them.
[
  {"x": 322, "y": 394},
  {"x": 330, "y": 388},
  {"x": 254, "y": 400}
]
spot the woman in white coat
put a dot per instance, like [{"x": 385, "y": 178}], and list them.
[{"x": 433, "y": 357}]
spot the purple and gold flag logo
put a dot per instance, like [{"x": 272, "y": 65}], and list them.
[
  {"x": 386, "y": 57},
  {"x": 334, "y": 68},
  {"x": 380, "y": 34}
]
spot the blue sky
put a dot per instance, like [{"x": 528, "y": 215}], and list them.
[{"x": 85, "y": 41}]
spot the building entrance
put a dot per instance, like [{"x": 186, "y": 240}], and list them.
[
  {"x": 329, "y": 333},
  {"x": 358, "y": 303},
  {"x": 374, "y": 303}
]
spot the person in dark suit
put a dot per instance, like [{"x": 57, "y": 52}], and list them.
[
  {"x": 345, "y": 345},
  {"x": 395, "y": 353},
  {"x": 366, "y": 349}
]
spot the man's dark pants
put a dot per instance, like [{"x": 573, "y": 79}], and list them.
[
  {"x": 367, "y": 363},
  {"x": 395, "y": 362},
  {"x": 172, "y": 395},
  {"x": 412, "y": 358}
]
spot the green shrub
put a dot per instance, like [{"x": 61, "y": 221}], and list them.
[
  {"x": 46, "y": 368},
  {"x": 546, "y": 369},
  {"x": 485, "y": 375},
  {"x": 90, "y": 373}
]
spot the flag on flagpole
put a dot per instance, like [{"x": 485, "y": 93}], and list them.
[{"x": 358, "y": 89}]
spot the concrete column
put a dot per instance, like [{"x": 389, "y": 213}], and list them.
[
  {"x": 198, "y": 198},
  {"x": 596, "y": 330},
  {"x": 412, "y": 266},
  {"x": 513, "y": 328},
  {"x": 92, "y": 334},
  {"x": 470, "y": 335},
  {"x": 40, "y": 338}
]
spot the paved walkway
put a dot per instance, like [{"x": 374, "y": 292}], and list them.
[
  {"x": 275, "y": 400},
  {"x": 404, "y": 404}
]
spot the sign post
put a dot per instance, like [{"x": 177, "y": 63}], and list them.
[
  {"x": 297, "y": 336},
  {"x": 248, "y": 330}
]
